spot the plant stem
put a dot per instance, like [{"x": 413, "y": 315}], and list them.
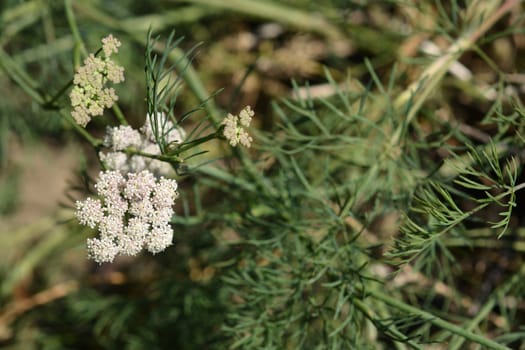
[
  {"x": 26, "y": 83},
  {"x": 50, "y": 103},
  {"x": 165, "y": 158},
  {"x": 435, "y": 320},
  {"x": 83, "y": 132},
  {"x": 502, "y": 290},
  {"x": 419, "y": 90},
  {"x": 276, "y": 12},
  {"x": 361, "y": 306},
  {"x": 29, "y": 86},
  {"x": 193, "y": 143},
  {"x": 228, "y": 178},
  {"x": 120, "y": 116},
  {"x": 74, "y": 27},
  {"x": 486, "y": 243}
]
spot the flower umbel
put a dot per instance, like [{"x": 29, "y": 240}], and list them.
[
  {"x": 110, "y": 45},
  {"x": 132, "y": 213},
  {"x": 234, "y": 127},
  {"x": 90, "y": 96},
  {"x": 119, "y": 138}
]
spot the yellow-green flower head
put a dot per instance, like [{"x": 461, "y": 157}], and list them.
[
  {"x": 234, "y": 127},
  {"x": 90, "y": 95},
  {"x": 110, "y": 45}
]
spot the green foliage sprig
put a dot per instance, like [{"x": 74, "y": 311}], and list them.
[{"x": 359, "y": 218}]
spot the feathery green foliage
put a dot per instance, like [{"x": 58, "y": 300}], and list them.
[{"x": 379, "y": 206}]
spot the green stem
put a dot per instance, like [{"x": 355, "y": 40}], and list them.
[
  {"x": 226, "y": 177},
  {"x": 74, "y": 27},
  {"x": 193, "y": 143},
  {"x": 482, "y": 315},
  {"x": 361, "y": 306},
  {"x": 256, "y": 175},
  {"x": 50, "y": 104},
  {"x": 435, "y": 320},
  {"x": 40, "y": 250},
  {"x": 276, "y": 12},
  {"x": 165, "y": 158},
  {"x": 28, "y": 85},
  {"x": 83, "y": 132},
  {"x": 487, "y": 243},
  {"x": 120, "y": 116},
  {"x": 167, "y": 19},
  {"x": 421, "y": 89}
]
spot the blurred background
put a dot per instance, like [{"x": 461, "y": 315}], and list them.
[{"x": 244, "y": 52}]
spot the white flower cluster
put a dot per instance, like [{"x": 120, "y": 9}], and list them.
[
  {"x": 121, "y": 137},
  {"x": 133, "y": 213},
  {"x": 234, "y": 127},
  {"x": 90, "y": 96}
]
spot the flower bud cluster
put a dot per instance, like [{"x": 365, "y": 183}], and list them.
[
  {"x": 132, "y": 213},
  {"x": 121, "y": 137},
  {"x": 234, "y": 127},
  {"x": 90, "y": 95}
]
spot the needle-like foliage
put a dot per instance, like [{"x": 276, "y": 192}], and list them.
[{"x": 378, "y": 206}]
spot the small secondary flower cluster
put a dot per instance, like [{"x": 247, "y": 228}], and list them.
[
  {"x": 90, "y": 95},
  {"x": 121, "y": 137},
  {"x": 234, "y": 127},
  {"x": 133, "y": 213}
]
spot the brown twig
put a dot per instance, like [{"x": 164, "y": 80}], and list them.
[{"x": 18, "y": 307}]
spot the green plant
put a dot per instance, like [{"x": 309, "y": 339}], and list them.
[{"x": 382, "y": 212}]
